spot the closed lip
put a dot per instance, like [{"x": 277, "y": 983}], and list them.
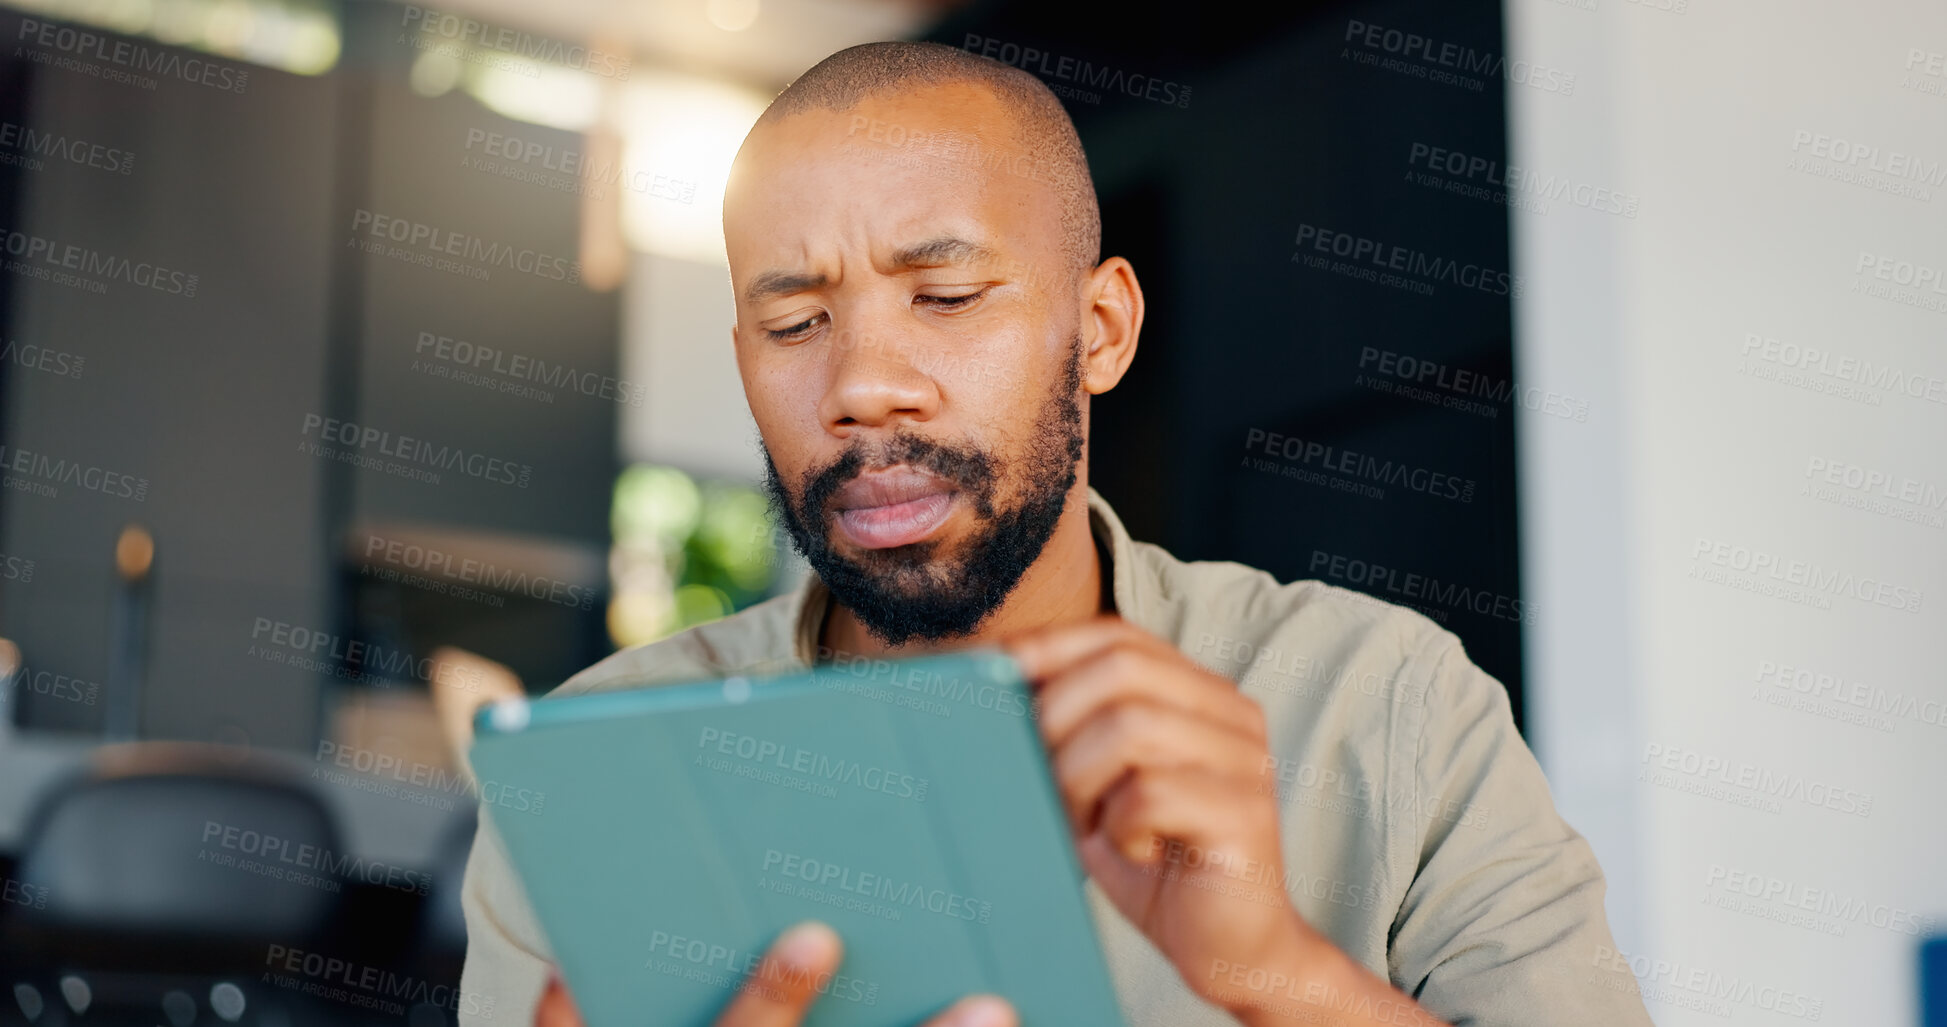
[
  {"x": 891, "y": 487},
  {"x": 895, "y": 507}
]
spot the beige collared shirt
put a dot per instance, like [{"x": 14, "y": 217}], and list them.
[{"x": 1418, "y": 831}]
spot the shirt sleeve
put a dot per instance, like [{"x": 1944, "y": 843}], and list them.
[
  {"x": 508, "y": 961},
  {"x": 1503, "y": 922}
]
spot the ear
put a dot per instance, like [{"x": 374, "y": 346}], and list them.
[{"x": 1112, "y": 318}]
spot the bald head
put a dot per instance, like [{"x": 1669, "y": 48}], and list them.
[{"x": 1040, "y": 125}]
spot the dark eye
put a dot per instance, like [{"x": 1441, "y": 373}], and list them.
[
  {"x": 796, "y": 331},
  {"x": 949, "y": 301}
]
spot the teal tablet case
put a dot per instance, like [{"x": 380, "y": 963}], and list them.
[{"x": 666, "y": 834}]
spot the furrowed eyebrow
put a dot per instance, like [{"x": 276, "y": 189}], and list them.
[
  {"x": 780, "y": 283},
  {"x": 935, "y": 252},
  {"x": 945, "y": 249}
]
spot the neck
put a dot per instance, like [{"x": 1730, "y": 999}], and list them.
[{"x": 1066, "y": 584}]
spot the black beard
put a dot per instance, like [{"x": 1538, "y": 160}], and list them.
[{"x": 908, "y": 592}]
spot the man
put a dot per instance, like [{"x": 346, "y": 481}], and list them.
[{"x": 1353, "y": 834}]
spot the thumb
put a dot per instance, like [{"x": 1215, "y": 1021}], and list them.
[
  {"x": 557, "y": 1009},
  {"x": 788, "y": 981}
]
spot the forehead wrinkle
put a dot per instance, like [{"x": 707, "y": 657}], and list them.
[
  {"x": 868, "y": 201},
  {"x": 909, "y": 84},
  {"x": 800, "y": 271}
]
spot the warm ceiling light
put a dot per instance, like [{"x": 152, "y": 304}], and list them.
[
  {"x": 298, "y": 36},
  {"x": 682, "y": 133},
  {"x": 733, "y": 15}
]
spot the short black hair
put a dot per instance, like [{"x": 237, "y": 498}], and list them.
[{"x": 1042, "y": 125}]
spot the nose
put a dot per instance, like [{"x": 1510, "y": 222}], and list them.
[{"x": 874, "y": 382}]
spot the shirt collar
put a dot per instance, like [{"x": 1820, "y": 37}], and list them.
[{"x": 814, "y": 599}]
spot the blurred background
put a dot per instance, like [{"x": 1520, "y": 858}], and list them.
[{"x": 366, "y": 361}]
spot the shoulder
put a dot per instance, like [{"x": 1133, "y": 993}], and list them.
[
  {"x": 756, "y": 638},
  {"x": 1233, "y": 618},
  {"x": 1348, "y": 688}
]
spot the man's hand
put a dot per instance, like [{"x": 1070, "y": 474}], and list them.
[
  {"x": 784, "y": 987},
  {"x": 1163, "y": 768},
  {"x": 1161, "y": 765}
]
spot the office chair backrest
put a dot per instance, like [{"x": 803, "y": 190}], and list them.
[{"x": 185, "y": 852}]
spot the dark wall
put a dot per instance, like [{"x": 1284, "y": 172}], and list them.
[
  {"x": 420, "y": 168},
  {"x": 209, "y": 397},
  {"x": 191, "y": 393},
  {"x": 425, "y": 160},
  {"x": 1241, "y": 133}
]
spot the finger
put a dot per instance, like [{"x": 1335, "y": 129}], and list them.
[
  {"x": 786, "y": 983},
  {"x": 977, "y": 1011},
  {"x": 1187, "y": 806},
  {"x": 1136, "y": 734},
  {"x": 557, "y": 1009},
  {"x": 1048, "y": 651},
  {"x": 1076, "y": 695}
]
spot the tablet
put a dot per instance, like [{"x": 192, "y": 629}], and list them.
[{"x": 908, "y": 804}]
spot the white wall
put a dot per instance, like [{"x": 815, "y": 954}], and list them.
[
  {"x": 1709, "y": 113},
  {"x": 676, "y": 328}
]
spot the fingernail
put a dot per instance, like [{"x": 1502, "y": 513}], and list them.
[
  {"x": 806, "y": 946},
  {"x": 982, "y": 1011}
]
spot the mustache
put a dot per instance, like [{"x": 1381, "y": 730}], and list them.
[{"x": 966, "y": 467}]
